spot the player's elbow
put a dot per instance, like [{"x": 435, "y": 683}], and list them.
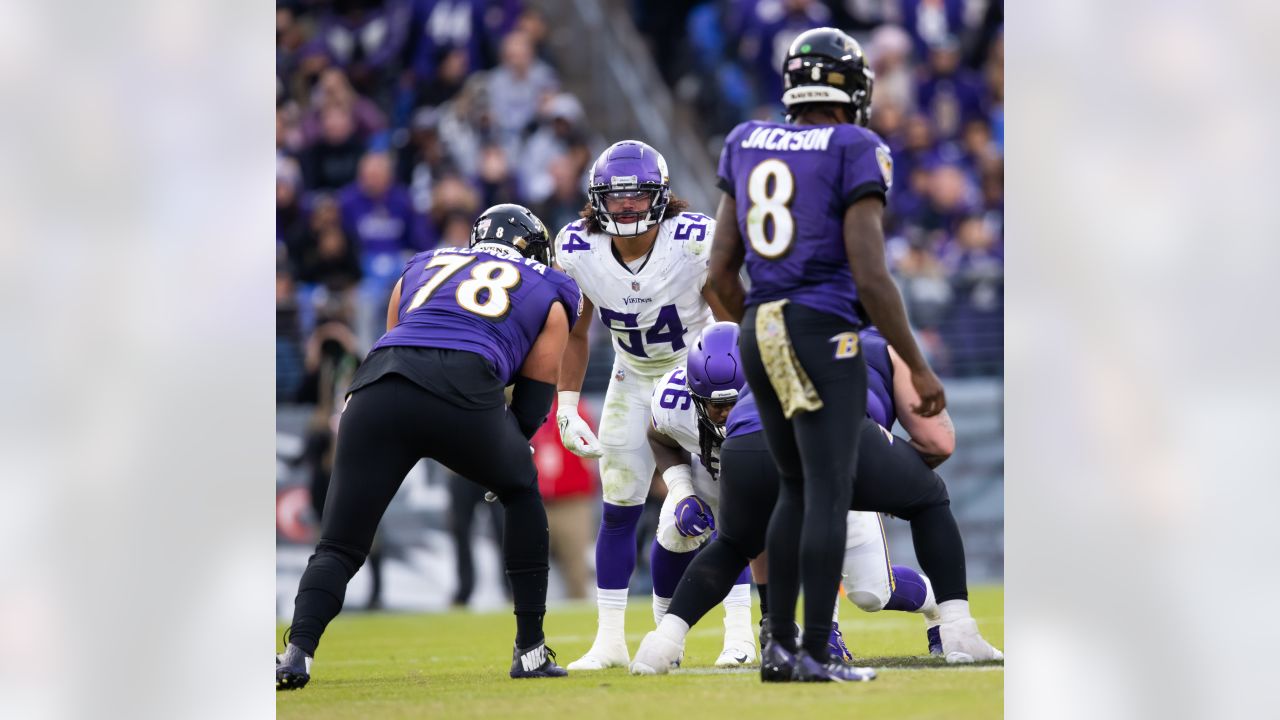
[{"x": 937, "y": 439}]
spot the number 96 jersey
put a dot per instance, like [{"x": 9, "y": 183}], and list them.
[{"x": 655, "y": 312}]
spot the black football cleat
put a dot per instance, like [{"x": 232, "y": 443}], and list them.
[
  {"x": 777, "y": 664},
  {"x": 808, "y": 669},
  {"x": 538, "y": 661},
  {"x": 293, "y": 669}
]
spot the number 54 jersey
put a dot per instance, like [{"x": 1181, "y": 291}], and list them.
[
  {"x": 486, "y": 300},
  {"x": 657, "y": 311},
  {"x": 792, "y": 185}
]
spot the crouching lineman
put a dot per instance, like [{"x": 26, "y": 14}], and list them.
[
  {"x": 641, "y": 262},
  {"x": 462, "y": 324},
  {"x": 892, "y": 476}
]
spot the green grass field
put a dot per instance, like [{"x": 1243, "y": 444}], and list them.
[{"x": 454, "y": 665}]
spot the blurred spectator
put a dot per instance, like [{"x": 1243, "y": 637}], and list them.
[
  {"x": 421, "y": 158},
  {"x": 532, "y": 23},
  {"x": 290, "y": 222},
  {"x": 289, "y": 368},
  {"x": 325, "y": 256},
  {"x": 289, "y": 139},
  {"x": 950, "y": 195},
  {"x": 975, "y": 327},
  {"x": 445, "y": 38},
  {"x": 767, "y": 32},
  {"x": 931, "y": 22},
  {"x": 926, "y": 290},
  {"x": 453, "y": 195},
  {"x": 568, "y": 489},
  {"x": 363, "y": 37},
  {"x": 455, "y": 229},
  {"x": 889, "y": 52},
  {"x": 464, "y": 496},
  {"x": 465, "y": 124},
  {"x": 516, "y": 88},
  {"x": 334, "y": 91},
  {"x": 496, "y": 181},
  {"x": 378, "y": 215},
  {"x": 557, "y": 131},
  {"x": 568, "y": 197},
  {"x": 951, "y": 93},
  {"x": 331, "y": 161}
]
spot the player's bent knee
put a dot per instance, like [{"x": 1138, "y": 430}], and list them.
[
  {"x": 868, "y": 601},
  {"x": 339, "y": 557},
  {"x": 671, "y": 539}
]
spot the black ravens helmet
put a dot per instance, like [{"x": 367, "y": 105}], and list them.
[
  {"x": 825, "y": 65},
  {"x": 517, "y": 227}
]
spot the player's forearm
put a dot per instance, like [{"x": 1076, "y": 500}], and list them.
[
  {"x": 727, "y": 286},
  {"x": 665, "y": 456},
  {"x": 573, "y": 367}
]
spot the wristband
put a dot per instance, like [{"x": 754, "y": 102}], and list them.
[
  {"x": 568, "y": 399},
  {"x": 679, "y": 480}
]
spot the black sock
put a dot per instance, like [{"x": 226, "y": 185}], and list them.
[
  {"x": 321, "y": 591},
  {"x": 763, "y": 589},
  {"x": 524, "y": 550}
]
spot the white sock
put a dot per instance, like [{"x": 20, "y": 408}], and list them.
[
  {"x": 660, "y": 605},
  {"x": 930, "y": 606},
  {"x": 835, "y": 612},
  {"x": 737, "y": 615},
  {"x": 673, "y": 628},
  {"x": 612, "y": 608},
  {"x": 952, "y": 610}
]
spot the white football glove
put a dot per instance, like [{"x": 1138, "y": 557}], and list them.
[{"x": 574, "y": 431}]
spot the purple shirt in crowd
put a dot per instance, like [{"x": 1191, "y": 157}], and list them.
[{"x": 384, "y": 225}]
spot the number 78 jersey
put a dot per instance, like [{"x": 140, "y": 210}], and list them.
[
  {"x": 655, "y": 313},
  {"x": 792, "y": 185}
]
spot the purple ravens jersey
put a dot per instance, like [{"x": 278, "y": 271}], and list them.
[
  {"x": 483, "y": 300},
  {"x": 745, "y": 419},
  {"x": 879, "y": 377},
  {"x": 792, "y": 185}
]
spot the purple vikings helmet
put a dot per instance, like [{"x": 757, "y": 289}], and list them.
[
  {"x": 629, "y": 166},
  {"x": 714, "y": 372}
]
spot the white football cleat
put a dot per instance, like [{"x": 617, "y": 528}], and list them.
[
  {"x": 738, "y": 654},
  {"x": 602, "y": 656},
  {"x": 656, "y": 655},
  {"x": 961, "y": 642}
]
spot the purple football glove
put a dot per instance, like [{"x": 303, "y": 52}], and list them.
[{"x": 693, "y": 517}]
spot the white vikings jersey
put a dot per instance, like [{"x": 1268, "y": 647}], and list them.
[
  {"x": 672, "y": 410},
  {"x": 653, "y": 313}
]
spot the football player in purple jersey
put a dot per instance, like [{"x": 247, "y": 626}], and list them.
[
  {"x": 897, "y": 479},
  {"x": 803, "y": 208},
  {"x": 462, "y": 324}
]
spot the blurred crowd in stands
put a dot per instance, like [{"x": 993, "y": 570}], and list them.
[{"x": 938, "y": 102}]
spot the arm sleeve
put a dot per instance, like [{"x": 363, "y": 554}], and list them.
[
  {"x": 530, "y": 404},
  {"x": 570, "y": 294}
]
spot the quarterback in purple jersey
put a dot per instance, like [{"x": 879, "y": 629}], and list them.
[
  {"x": 803, "y": 208},
  {"x": 462, "y": 324}
]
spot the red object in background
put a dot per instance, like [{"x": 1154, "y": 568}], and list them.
[
  {"x": 561, "y": 474},
  {"x": 293, "y": 504}
]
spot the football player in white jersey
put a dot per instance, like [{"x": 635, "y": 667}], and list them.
[
  {"x": 641, "y": 262},
  {"x": 689, "y": 408}
]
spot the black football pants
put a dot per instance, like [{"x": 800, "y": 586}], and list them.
[{"x": 386, "y": 427}]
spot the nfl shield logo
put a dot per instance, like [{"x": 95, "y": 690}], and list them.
[{"x": 635, "y": 286}]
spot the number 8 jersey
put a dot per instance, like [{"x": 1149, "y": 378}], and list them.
[
  {"x": 655, "y": 312},
  {"x": 792, "y": 185}
]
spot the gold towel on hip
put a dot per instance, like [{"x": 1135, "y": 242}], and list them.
[{"x": 786, "y": 375}]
